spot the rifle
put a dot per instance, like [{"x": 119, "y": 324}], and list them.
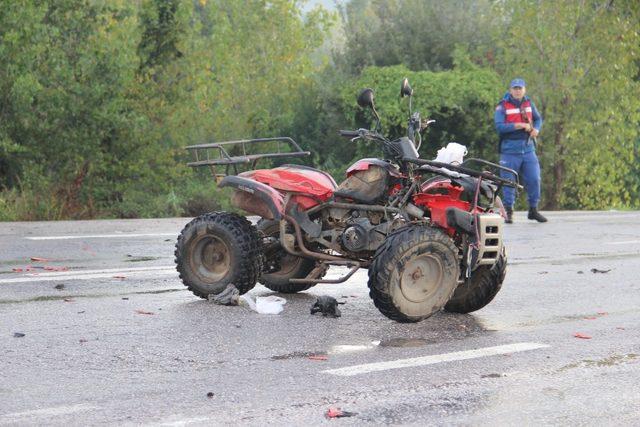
[{"x": 525, "y": 118}]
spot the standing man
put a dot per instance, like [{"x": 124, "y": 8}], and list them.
[{"x": 518, "y": 123}]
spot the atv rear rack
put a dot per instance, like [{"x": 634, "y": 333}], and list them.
[{"x": 216, "y": 154}]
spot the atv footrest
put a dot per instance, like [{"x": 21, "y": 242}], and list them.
[{"x": 354, "y": 266}]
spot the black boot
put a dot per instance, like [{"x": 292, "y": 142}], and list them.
[
  {"x": 509, "y": 219},
  {"x": 534, "y": 214}
]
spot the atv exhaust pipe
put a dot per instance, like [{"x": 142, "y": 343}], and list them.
[{"x": 287, "y": 244}]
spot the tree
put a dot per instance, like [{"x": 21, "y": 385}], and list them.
[
  {"x": 421, "y": 34},
  {"x": 580, "y": 61},
  {"x": 65, "y": 122}
]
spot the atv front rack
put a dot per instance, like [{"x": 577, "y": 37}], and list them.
[{"x": 216, "y": 154}]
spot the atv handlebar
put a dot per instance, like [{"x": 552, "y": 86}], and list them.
[
  {"x": 349, "y": 133},
  {"x": 471, "y": 172},
  {"x": 364, "y": 134}
]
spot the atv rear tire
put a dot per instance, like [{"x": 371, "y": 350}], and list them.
[
  {"x": 479, "y": 289},
  {"x": 291, "y": 267},
  {"x": 413, "y": 273},
  {"x": 217, "y": 249}
]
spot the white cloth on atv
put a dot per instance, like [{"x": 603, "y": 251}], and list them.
[{"x": 454, "y": 154}]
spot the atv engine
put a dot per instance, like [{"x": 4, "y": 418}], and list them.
[
  {"x": 354, "y": 231},
  {"x": 355, "y": 237}
]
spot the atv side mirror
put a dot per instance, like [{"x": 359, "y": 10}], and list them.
[
  {"x": 405, "y": 89},
  {"x": 365, "y": 99}
]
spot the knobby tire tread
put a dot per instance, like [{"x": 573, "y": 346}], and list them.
[
  {"x": 481, "y": 290},
  {"x": 247, "y": 269},
  {"x": 386, "y": 258}
]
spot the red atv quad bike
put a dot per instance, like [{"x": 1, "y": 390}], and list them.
[{"x": 429, "y": 232}]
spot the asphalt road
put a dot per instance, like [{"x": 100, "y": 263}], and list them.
[{"x": 117, "y": 339}]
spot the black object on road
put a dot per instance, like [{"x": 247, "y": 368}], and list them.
[{"x": 326, "y": 305}]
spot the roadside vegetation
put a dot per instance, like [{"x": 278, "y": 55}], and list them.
[{"x": 98, "y": 98}]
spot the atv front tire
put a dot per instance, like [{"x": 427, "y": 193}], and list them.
[
  {"x": 479, "y": 289},
  {"x": 413, "y": 273},
  {"x": 291, "y": 267},
  {"x": 217, "y": 249}
]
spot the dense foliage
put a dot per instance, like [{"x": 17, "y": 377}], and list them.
[{"x": 99, "y": 97}]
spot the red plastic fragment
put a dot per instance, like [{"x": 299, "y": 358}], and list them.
[
  {"x": 17, "y": 270},
  {"x": 144, "y": 312},
  {"x": 334, "y": 413},
  {"x": 318, "y": 357},
  {"x": 120, "y": 277},
  {"x": 39, "y": 259},
  {"x": 582, "y": 336},
  {"x": 338, "y": 413}
]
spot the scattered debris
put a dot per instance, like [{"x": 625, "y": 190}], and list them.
[
  {"x": 297, "y": 355},
  {"x": 229, "y": 296},
  {"x": 69, "y": 300},
  {"x": 248, "y": 301},
  {"x": 582, "y": 336},
  {"x": 141, "y": 258},
  {"x": 543, "y": 272},
  {"x": 580, "y": 272},
  {"x": 492, "y": 376},
  {"x": 403, "y": 342},
  {"x": 210, "y": 395},
  {"x": 82, "y": 340},
  {"x": 120, "y": 277},
  {"x": 270, "y": 305},
  {"x": 125, "y": 298},
  {"x": 602, "y": 313},
  {"x": 59, "y": 287},
  {"x": 263, "y": 305},
  {"x": 590, "y": 318},
  {"x": 52, "y": 268},
  {"x": 39, "y": 259},
  {"x": 339, "y": 413},
  {"x": 326, "y": 305},
  {"x": 18, "y": 335},
  {"x": 80, "y": 312},
  {"x": 144, "y": 312},
  {"x": 620, "y": 327},
  {"x": 318, "y": 357},
  {"x": 595, "y": 270},
  {"x": 27, "y": 268}
]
